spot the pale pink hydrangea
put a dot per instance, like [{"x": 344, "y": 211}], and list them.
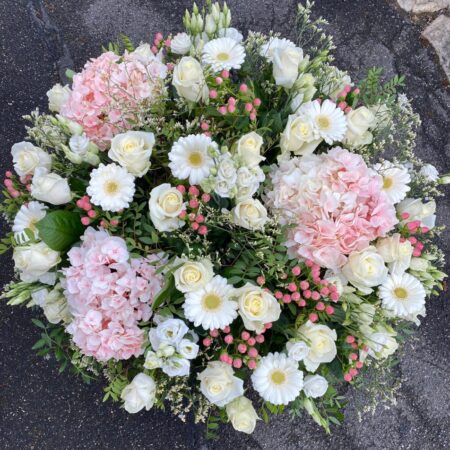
[
  {"x": 335, "y": 203},
  {"x": 108, "y": 294},
  {"x": 110, "y": 92}
]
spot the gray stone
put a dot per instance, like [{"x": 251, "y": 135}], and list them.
[
  {"x": 423, "y": 6},
  {"x": 438, "y": 34}
]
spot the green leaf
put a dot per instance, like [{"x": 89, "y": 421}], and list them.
[
  {"x": 38, "y": 323},
  {"x": 60, "y": 229}
]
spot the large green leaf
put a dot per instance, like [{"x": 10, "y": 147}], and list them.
[{"x": 60, "y": 229}]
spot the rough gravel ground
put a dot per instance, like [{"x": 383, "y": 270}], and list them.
[{"x": 40, "y": 409}]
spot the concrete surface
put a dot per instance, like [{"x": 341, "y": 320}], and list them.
[{"x": 40, "y": 409}]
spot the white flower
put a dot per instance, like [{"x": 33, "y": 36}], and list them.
[
  {"x": 193, "y": 275},
  {"x": 79, "y": 144},
  {"x": 242, "y": 415},
  {"x": 34, "y": 260},
  {"x": 395, "y": 180},
  {"x": 223, "y": 53},
  {"x": 190, "y": 157},
  {"x": 297, "y": 350},
  {"x": 335, "y": 81},
  {"x": 315, "y": 386},
  {"x": 365, "y": 269},
  {"x": 321, "y": 343},
  {"x": 176, "y": 366},
  {"x": 336, "y": 278},
  {"x": 248, "y": 181},
  {"x": 27, "y": 158},
  {"x": 381, "y": 342},
  {"x": 211, "y": 306},
  {"x": 111, "y": 187},
  {"x": 359, "y": 121},
  {"x": 417, "y": 210},
  {"x": 403, "y": 295},
  {"x": 187, "y": 349},
  {"x": 218, "y": 383},
  {"x": 396, "y": 254},
  {"x": 257, "y": 307},
  {"x": 53, "y": 303},
  {"x": 165, "y": 205},
  {"x": 430, "y": 172},
  {"x": 277, "y": 379},
  {"x": 189, "y": 81},
  {"x": 268, "y": 49},
  {"x": 180, "y": 44},
  {"x": 226, "y": 175},
  {"x": 152, "y": 361},
  {"x": 132, "y": 150},
  {"x": 57, "y": 96},
  {"x": 286, "y": 62},
  {"x": 143, "y": 52},
  {"x": 231, "y": 33},
  {"x": 26, "y": 219},
  {"x": 50, "y": 187},
  {"x": 171, "y": 331},
  {"x": 300, "y": 136},
  {"x": 250, "y": 214},
  {"x": 139, "y": 394},
  {"x": 249, "y": 149}
]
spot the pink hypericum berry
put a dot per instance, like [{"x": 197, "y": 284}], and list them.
[
  {"x": 354, "y": 345},
  {"x": 28, "y": 187},
  {"x": 356, "y": 91},
  {"x": 170, "y": 67},
  {"x": 242, "y": 348},
  {"x": 278, "y": 295},
  {"x": 114, "y": 222},
  {"x": 193, "y": 203},
  {"x": 359, "y": 364},
  {"x": 231, "y": 108},
  {"x": 251, "y": 364},
  {"x": 261, "y": 280},
  {"x": 225, "y": 74},
  {"x": 213, "y": 93},
  {"x": 80, "y": 203},
  {"x": 295, "y": 296},
  {"x": 252, "y": 116},
  {"x": 334, "y": 296},
  {"x": 268, "y": 325},
  {"x": 85, "y": 221},
  {"x": 223, "y": 110},
  {"x": 412, "y": 226},
  {"x": 154, "y": 50},
  {"x": 348, "y": 377},
  {"x": 159, "y": 36},
  {"x": 203, "y": 231},
  {"x": 192, "y": 216},
  {"x": 193, "y": 190},
  {"x": 259, "y": 338},
  {"x": 237, "y": 363},
  {"x": 206, "y": 198},
  {"x": 245, "y": 335},
  {"x": 347, "y": 88},
  {"x": 287, "y": 298},
  {"x": 167, "y": 42},
  {"x": 103, "y": 223},
  {"x": 320, "y": 306},
  {"x": 413, "y": 240},
  {"x": 350, "y": 339},
  {"x": 309, "y": 263},
  {"x": 248, "y": 107},
  {"x": 304, "y": 285},
  {"x": 313, "y": 317},
  {"x": 425, "y": 230},
  {"x": 219, "y": 80},
  {"x": 324, "y": 291},
  {"x": 329, "y": 310},
  {"x": 204, "y": 126},
  {"x": 353, "y": 372},
  {"x": 404, "y": 216},
  {"x": 353, "y": 356},
  {"x": 416, "y": 252},
  {"x": 228, "y": 339},
  {"x": 420, "y": 246},
  {"x": 342, "y": 105},
  {"x": 8, "y": 174},
  {"x": 214, "y": 332},
  {"x": 292, "y": 287},
  {"x": 14, "y": 193},
  {"x": 251, "y": 341},
  {"x": 342, "y": 94},
  {"x": 224, "y": 357},
  {"x": 91, "y": 213},
  {"x": 253, "y": 353},
  {"x": 8, "y": 183},
  {"x": 302, "y": 303},
  {"x": 226, "y": 329},
  {"x": 200, "y": 218},
  {"x": 347, "y": 110},
  {"x": 207, "y": 342},
  {"x": 296, "y": 271},
  {"x": 195, "y": 226},
  {"x": 307, "y": 293},
  {"x": 315, "y": 295},
  {"x": 257, "y": 102},
  {"x": 231, "y": 101},
  {"x": 243, "y": 88},
  {"x": 182, "y": 214}
]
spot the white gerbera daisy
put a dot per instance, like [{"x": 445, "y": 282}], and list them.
[
  {"x": 211, "y": 307},
  {"x": 223, "y": 53},
  {"x": 190, "y": 157},
  {"x": 395, "y": 180},
  {"x": 111, "y": 187},
  {"x": 26, "y": 219},
  {"x": 404, "y": 295},
  {"x": 268, "y": 49},
  {"x": 327, "y": 118},
  {"x": 278, "y": 379}
]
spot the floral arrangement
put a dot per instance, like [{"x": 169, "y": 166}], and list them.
[{"x": 227, "y": 227}]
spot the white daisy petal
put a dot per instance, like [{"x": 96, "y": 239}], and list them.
[
  {"x": 26, "y": 218},
  {"x": 223, "y": 53},
  {"x": 395, "y": 180}
]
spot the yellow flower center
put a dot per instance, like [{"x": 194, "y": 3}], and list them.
[
  {"x": 401, "y": 293},
  {"x": 171, "y": 203},
  {"x": 195, "y": 159},
  {"x": 222, "y": 56},
  {"x": 278, "y": 377},
  {"x": 211, "y": 302},
  {"x": 323, "y": 122},
  {"x": 387, "y": 182},
  {"x": 111, "y": 187},
  {"x": 130, "y": 146},
  {"x": 254, "y": 304}
]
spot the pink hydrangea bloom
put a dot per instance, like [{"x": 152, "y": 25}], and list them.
[
  {"x": 335, "y": 202},
  {"x": 108, "y": 295},
  {"x": 111, "y": 90}
]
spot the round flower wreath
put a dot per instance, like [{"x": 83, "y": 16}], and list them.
[{"x": 211, "y": 216}]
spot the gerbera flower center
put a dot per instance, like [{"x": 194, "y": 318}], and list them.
[
  {"x": 222, "y": 56},
  {"x": 212, "y": 302},
  {"x": 401, "y": 293},
  {"x": 195, "y": 159},
  {"x": 387, "y": 182},
  {"x": 323, "y": 122},
  {"x": 111, "y": 187},
  {"x": 278, "y": 377}
]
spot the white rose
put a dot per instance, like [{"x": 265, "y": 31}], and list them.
[
  {"x": 381, "y": 342},
  {"x": 257, "y": 307},
  {"x": 395, "y": 253},
  {"x": 193, "y": 275},
  {"x": 165, "y": 204},
  {"x": 321, "y": 343},
  {"x": 171, "y": 331},
  {"x": 188, "y": 349},
  {"x": 248, "y": 181},
  {"x": 359, "y": 121},
  {"x": 139, "y": 394},
  {"x": 152, "y": 361},
  {"x": 242, "y": 415},
  {"x": 430, "y": 172},
  {"x": 226, "y": 169},
  {"x": 34, "y": 260},
  {"x": 249, "y": 149},
  {"x": 337, "y": 279},
  {"x": 50, "y": 187},
  {"x": 417, "y": 210},
  {"x": 132, "y": 150},
  {"x": 189, "y": 81},
  {"x": 53, "y": 303},
  {"x": 286, "y": 62},
  {"x": 176, "y": 366},
  {"x": 315, "y": 386},
  {"x": 79, "y": 144},
  {"x": 144, "y": 52},
  {"x": 250, "y": 214},
  {"x": 223, "y": 187},
  {"x": 218, "y": 383},
  {"x": 27, "y": 158},
  {"x": 299, "y": 136},
  {"x": 180, "y": 44},
  {"x": 365, "y": 269},
  {"x": 57, "y": 96},
  {"x": 297, "y": 350}
]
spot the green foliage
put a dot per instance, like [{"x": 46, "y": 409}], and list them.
[
  {"x": 126, "y": 41},
  {"x": 373, "y": 91}
]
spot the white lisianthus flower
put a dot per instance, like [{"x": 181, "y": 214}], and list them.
[
  {"x": 53, "y": 303},
  {"x": 247, "y": 182},
  {"x": 111, "y": 187},
  {"x": 315, "y": 386},
  {"x": 143, "y": 52},
  {"x": 242, "y": 415},
  {"x": 274, "y": 44},
  {"x": 297, "y": 350},
  {"x": 231, "y": 33},
  {"x": 26, "y": 219},
  {"x": 226, "y": 175},
  {"x": 176, "y": 366},
  {"x": 218, "y": 383},
  {"x": 57, "y": 96},
  {"x": 395, "y": 253},
  {"x": 180, "y": 44},
  {"x": 395, "y": 180},
  {"x": 429, "y": 172},
  {"x": 27, "y": 158},
  {"x": 335, "y": 81},
  {"x": 187, "y": 349},
  {"x": 337, "y": 279},
  {"x": 165, "y": 205},
  {"x": 139, "y": 394},
  {"x": 189, "y": 81},
  {"x": 300, "y": 136},
  {"x": 257, "y": 307},
  {"x": 381, "y": 342},
  {"x": 171, "y": 331},
  {"x": 193, "y": 275},
  {"x": 249, "y": 149},
  {"x": 165, "y": 350},
  {"x": 79, "y": 144},
  {"x": 223, "y": 53},
  {"x": 359, "y": 121},
  {"x": 250, "y": 214},
  {"x": 417, "y": 210},
  {"x": 365, "y": 270},
  {"x": 286, "y": 62},
  {"x": 277, "y": 379},
  {"x": 50, "y": 187},
  {"x": 152, "y": 361},
  {"x": 73, "y": 127},
  {"x": 321, "y": 341},
  {"x": 34, "y": 260},
  {"x": 132, "y": 150},
  {"x": 419, "y": 264}
]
